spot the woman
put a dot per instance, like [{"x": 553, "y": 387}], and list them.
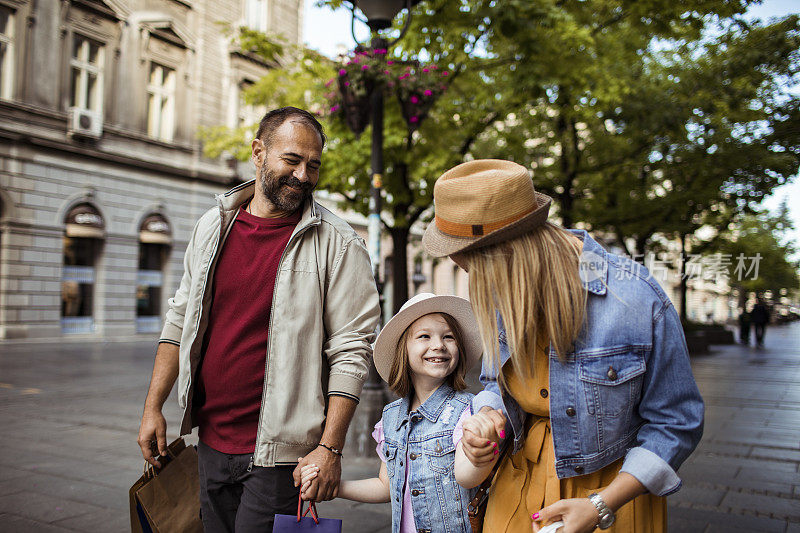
[{"x": 585, "y": 367}]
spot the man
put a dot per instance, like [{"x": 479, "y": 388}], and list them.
[
  {"x": 268, "y": 336},
  {"x": 760, "y": 318}
]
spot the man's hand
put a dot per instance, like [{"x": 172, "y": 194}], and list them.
[
  {"x": 326, "y": 485},
  {"x": 482, "y": 434},
  {"x": 152, "y": 435}
]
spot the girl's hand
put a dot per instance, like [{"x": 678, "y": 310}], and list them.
[
  {"x": 307, "y": 475},
  {"x": 482, "y": 434},
  {"x": 578, "y": 514}
]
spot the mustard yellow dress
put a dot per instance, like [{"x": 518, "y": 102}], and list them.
[{"x": 526, "y": 482}]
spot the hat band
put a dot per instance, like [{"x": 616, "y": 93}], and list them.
[{"x": 456, "y": 229}]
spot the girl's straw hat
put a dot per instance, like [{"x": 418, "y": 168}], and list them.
[
  {"x": 421, "y": 305},
  {"x": 483, "y": 202}
]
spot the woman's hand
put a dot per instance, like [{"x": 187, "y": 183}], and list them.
[
  {"x": 482, "y": 434},
  {"x": 578, "y": 514}
]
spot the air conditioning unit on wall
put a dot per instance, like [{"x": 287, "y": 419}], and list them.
[{"x": 85, "y": 123}]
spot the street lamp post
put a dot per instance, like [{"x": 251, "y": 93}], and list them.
[{"x": 380, "y": 14}]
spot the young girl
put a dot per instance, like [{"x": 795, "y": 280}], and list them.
[{"x": 423, "y": 353}]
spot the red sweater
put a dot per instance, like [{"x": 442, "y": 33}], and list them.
[{"x": 231, "y": 377}]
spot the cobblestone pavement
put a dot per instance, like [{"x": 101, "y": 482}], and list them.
[{"x": 69, "y": 413}]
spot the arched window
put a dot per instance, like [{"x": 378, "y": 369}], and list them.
[
  {"x": 83, "y": 239},
  {"x": 155, "y": 238}
]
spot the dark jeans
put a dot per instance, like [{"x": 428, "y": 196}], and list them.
[
  {"x": 760, "y": 330},
  {"x": 235, "y": 500}
]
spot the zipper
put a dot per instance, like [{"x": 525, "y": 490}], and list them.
[
  {"x": 250, "y": 466},
  {"x": 271, "y": 316},
  {"x": 200, "y": 308}
]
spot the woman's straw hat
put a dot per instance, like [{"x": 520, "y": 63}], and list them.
[
  {"x": 420, "y": 305},
  {"x": 483, "y": 202}
]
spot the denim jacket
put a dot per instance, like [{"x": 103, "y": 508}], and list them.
[
  {"x": 425, "y": 437},
  {"x": 626, "y": 390}
]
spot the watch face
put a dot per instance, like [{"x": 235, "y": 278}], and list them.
[{"x": 606, "y": 520}]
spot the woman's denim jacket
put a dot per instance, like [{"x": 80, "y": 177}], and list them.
[
  {"x": 627, "y": 389},
  {"x": 425, "y": 437}
]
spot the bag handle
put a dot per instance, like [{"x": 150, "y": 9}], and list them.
[
  {"x": 311, "y": 507},
  {"x": 150, "y": 471},
  {"x": 483, "y": 490}
]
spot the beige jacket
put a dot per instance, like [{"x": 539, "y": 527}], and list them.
[{"x": 324, "y": 313}]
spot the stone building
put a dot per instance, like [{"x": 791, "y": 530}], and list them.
[{"x": 101, "y": 173}]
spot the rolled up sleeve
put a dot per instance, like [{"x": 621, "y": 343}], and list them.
[
  {"x": 351, "y": 313},
  {"x": 671, "y": 407}
]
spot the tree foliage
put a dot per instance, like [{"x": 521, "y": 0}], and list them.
[{"x": 639, "y": 117}]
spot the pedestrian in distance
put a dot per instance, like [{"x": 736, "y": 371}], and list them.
[
  {"x": 585, "y": 367},
  {"x": 268, "y": 336},
  {"x": 744, "y": 326},
  {"x": 760, "y": 319},
  {"x": 423, "y": 353}
]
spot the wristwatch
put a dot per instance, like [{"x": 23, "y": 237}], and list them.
[{"x": 606, "y": 514}]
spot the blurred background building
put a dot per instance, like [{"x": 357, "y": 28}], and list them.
[{"x": 101, "y": 173}]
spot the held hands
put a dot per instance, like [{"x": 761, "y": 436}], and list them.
[
  {"x": 323, "y": 485},
  {"x": 482, "y": 434},
  {"x": 578, "y": 514}
]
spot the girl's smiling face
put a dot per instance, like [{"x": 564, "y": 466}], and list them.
[{"x": 432, "y": 349}]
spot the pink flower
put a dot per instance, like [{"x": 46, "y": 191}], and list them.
[
  {"x": 386, "y": 72},
  {"x": 342, "y": 72},
  {"x": 328, "y": 83},
  {"x": 347, "y": 84},
  {"x": 390, "y": 62},
  {"x": 434, "y": 67},
  {"x": 428, "y": 92},
  {"x": 414, "y": 100},
  {"x": 404, "y": 76},
  {"x": 380, "y": 51},
  {"x": 426, "y": 70},
  {"x": 414, "y": 119},
  {"x": 445, "y": 73},
  {"x": 335, "y": 108},
  {"x": 364, "y": 67}
]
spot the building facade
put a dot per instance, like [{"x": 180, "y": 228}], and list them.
[{"x": 102, "y": 175}]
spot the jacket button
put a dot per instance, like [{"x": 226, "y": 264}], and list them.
[
  {"x": 570, "y": 411},
  {"x": 612, "y": 374},
  {"x": 543, "y": 392},
  {"x": 412, "y": 456},
  {"x": 579, "y": 469},
  {"x": 415, "y": 492}
]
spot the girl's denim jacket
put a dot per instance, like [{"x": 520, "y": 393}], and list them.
[
  {"x": 626, "y": 390},
  {"x": 425, "y": 437}
]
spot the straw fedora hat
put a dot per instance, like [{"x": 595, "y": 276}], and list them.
[
  {"x": 483, "y": 202},
  {"x": 420, "y": 305}
]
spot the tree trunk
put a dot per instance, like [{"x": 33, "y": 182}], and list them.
[
  {"x": 683, "y": 286},
  {"x": 399, "y": 267}
]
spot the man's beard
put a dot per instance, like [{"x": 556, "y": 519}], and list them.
[{"x": 284, "y": 198}]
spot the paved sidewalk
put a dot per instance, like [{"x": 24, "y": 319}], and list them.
[{"x": 70, "y": 412}]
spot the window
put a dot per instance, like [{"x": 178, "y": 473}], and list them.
[
  {"x": 83, "y": 240},
  {"x": 87, "y": 74},
  {"x": 154, "y": 241},
  {"x": 161, "y": 102},
  {"x": 249, "y": 115},
  {"x": 6, "y": 52},
  {"x": 255, "y": 15}
]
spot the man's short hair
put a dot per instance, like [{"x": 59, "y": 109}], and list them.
[{"x": 275, "y": 118}]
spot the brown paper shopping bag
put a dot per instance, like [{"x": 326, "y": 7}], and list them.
[{"x": 167, "y": 500}]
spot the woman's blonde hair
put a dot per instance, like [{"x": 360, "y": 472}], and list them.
[
  {"x": 533, "y": 282},
  {"x": 400, "y": 375}
]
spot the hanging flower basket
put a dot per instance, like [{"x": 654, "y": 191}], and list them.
[
  {"x": 416, "y": 87},
  {"x": 354, "y": 105}
]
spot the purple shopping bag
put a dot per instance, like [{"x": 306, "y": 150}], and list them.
[{"x": 285, "y": 523}]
